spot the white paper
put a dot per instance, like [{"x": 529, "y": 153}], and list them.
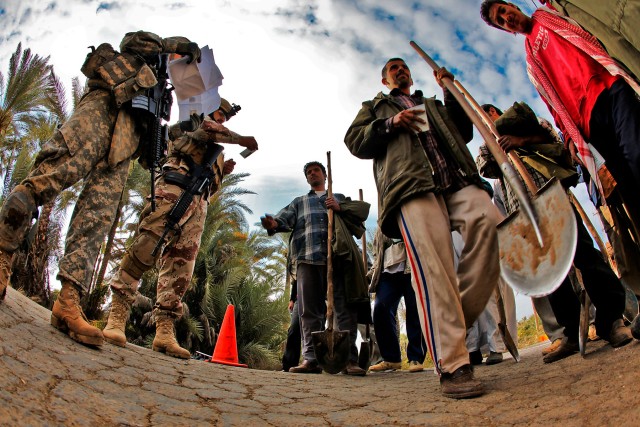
[
  {"x": 206, "y": 103},
  {"x": 424, "y": 127},
  {"x": 196, "y": 84}
]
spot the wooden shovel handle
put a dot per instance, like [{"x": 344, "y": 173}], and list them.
[
  {"x": 364, "y": 240},
  {"x": 490, "y": 140},
  {"x": 592, "y": 229},
  {"x": 329, "y": 248},
  {"x": 513, "y": 156}
]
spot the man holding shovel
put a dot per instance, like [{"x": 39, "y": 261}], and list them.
[
  {"x": 544, "y": 156},
  {"x": 593, "y": 100},
  {"x": 306, "y": 218},
  {"x": 428, "y": 185}
]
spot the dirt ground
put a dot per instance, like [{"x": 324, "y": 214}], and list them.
[{"x": 48, "y": 379}]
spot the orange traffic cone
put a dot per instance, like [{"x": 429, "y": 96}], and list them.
[{"x": 226, "y": 351}]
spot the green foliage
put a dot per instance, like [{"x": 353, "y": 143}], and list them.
[
  {"x": 233, "y": 266},
  {"x": 24, "y": 91},
  {"x": 92, "y": 302},
  {"x": 530, "y": 332}
]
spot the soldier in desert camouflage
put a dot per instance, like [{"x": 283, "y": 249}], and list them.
[
  {"x": 95, "y": 145},
  {"x": 177, "y": 259}
]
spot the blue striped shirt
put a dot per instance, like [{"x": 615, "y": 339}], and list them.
[{"x": 306, "y": 217}]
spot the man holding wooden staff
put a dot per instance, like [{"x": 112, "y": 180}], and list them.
[
  {"x": 306, "y": 217},
  {"x": 427, "y": 186}
]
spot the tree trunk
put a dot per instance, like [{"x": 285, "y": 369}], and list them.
[{"x": 30, "y": 265}]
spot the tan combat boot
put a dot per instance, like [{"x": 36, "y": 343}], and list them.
[
  {"x": 5, "y": 272},
  {"x": 165, "y": 340},
  {"x": 68, "y": 317},
  {"x": 118, "y": 316}
]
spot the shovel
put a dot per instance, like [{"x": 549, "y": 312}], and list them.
[
  {"x": 534, "y": 266},
  {"x": 502, "y": 326},
  {"x": 364, "y": 356},
  {"x": 331, "y": 347}
]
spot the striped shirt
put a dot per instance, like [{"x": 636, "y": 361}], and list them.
[
  {"x": 306, "y": 217},
  {"x": 446, "y": 175}
]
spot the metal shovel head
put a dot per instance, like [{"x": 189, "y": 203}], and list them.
[
  {"x": 364, "y": 357},
  {"x": 332, "y": 349},
  {"x": 631, "y": 308},
  {"x": 528, "y": 268},
  {"x": 583, "y": 331},
  {"x": 508, "y": 342}
]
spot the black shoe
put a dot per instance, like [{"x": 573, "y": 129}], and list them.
[
  {"x": 493, "y": 358},
  {"x": 307, "y": 367},
  {"x": 475, "y": 357},
  {"x": 565, "y": 349},
  {"x": 460, "y": 384}
]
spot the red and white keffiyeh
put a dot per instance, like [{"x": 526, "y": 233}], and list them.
[{"x": 585, "y": 41}]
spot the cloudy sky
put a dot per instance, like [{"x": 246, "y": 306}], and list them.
[{"x": 299, "y": 69}]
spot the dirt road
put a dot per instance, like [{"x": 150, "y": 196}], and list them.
[{"x": 48, "y": 379}]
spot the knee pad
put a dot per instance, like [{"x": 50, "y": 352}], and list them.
[
  {"x": 15, "y": 218},
  {"x": 138, "y": 258}
]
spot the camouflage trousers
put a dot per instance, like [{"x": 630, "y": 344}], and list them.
[
  {"x": 177, "y": 259},
  {"x": 55, "y": 170}
]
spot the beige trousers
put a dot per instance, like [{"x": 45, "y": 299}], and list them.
[{"x": 448, "y": 303}]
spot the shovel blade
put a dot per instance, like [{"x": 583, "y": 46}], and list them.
[
  {"x": 332, "y": 349},
  {"x": 364, "y": 357},
  {"x": 528, "y": 268},
  {"x": 583, "y": 334},
  {"x": 508, "y": 342},
  {"x": 631, "y": 308}
]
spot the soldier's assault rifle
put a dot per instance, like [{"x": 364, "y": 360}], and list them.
[
  {"x": 157, "y": 101},
  {"x": 201, "y": 176}
]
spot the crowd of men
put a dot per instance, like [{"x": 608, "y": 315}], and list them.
[{"x": 430, "y": 192}]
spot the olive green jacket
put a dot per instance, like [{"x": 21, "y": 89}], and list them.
[
  {"x": 350, "y": 222},
  {"x": 401, "y": 168}
]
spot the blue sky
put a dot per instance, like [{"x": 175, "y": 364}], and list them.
[{"x": 299, "y": 69}]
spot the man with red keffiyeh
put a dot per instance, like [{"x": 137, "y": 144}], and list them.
[
  {"x": 592, "y": 99},
  {"x": 615, "y": 24}
]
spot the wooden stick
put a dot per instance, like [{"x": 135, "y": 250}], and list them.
[
  {"x": 592, "y": 229},
  {"x": 513, "y": 156},
  {"x": 490, "y": 140},
  {"x": 364, "y": 240},
  {"x": 329, "y": 248}
]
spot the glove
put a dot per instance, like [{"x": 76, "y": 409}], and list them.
[
  {"x": 192, "y": 124},
  {"x": 190, "y": 49}
]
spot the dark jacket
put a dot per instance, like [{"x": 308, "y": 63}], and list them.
[
  {"x": 348, "y": 223},
  {"x": 401, "y": 168}
]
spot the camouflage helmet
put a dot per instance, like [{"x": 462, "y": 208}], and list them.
[
  {"x": 225, "y": 106},
  {"x": 227, "y": 109}
]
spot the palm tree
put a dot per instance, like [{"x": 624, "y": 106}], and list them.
[
  {"x": 23, "y": 96},
  {"x": 32, "y": 103}
]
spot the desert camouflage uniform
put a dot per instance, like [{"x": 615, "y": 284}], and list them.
[
  {"x": 95, "y": 145},
  {"x": 177, "y": 260}
]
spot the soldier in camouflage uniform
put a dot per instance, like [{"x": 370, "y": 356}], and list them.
[
  {"x": 177, "y": 259},
  {"x": 95, "y": 145}
]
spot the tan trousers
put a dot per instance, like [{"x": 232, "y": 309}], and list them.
[
  {"x": 175, "y": 262},
  {"x": 446, "y": 303}
]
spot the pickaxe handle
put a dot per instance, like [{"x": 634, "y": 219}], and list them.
[{"x": 490, "y": 139}]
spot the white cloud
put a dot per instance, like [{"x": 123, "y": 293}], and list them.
[{"x": 299, "y": 69}]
